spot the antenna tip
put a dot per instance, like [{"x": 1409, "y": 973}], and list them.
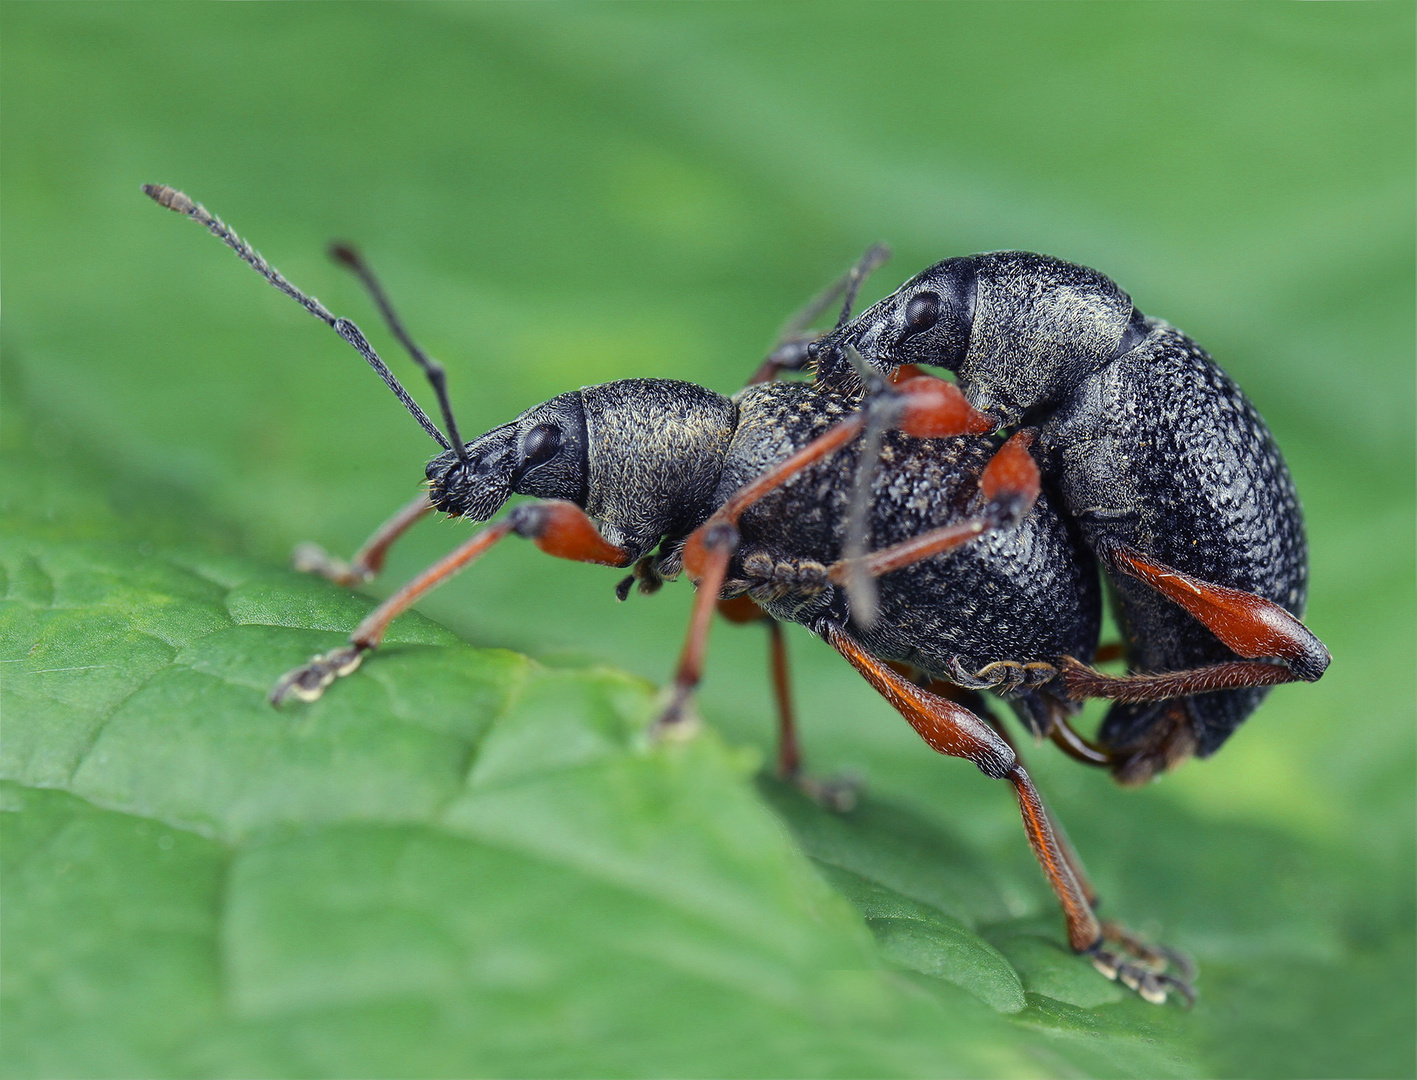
[
  {"x": 346, "y": 254},
  {"x": 169, "y": 197}
]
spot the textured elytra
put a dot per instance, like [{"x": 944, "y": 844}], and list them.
[
  {"x": 1185, "y": 470},
  {"x": 1150, "y": 444},
  {"x": 1024, "y": 593}
]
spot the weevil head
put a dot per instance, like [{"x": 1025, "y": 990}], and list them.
[
  {"x": 641, "y": 456},
  {"x": 542, "y": 453},
  {"x": 927, "y": 320},
  {"x": 1019, "y": 330}
]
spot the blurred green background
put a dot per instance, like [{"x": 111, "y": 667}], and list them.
[{"x": 559, "y": 195}]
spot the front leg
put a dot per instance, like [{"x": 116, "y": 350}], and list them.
[
  {"x": 791, "y": 351},
  {"x": 713, "y": 546},
  {"x": 369, "y": 559},
  {"x": 557, "y": 528}
]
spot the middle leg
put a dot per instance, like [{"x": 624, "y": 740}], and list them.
[
  {"x": 839, "y": 793},
  {"x": 951, "y": 729},
  {"x": 742, "y": 609},
  {"x": 924, "y": 407}
]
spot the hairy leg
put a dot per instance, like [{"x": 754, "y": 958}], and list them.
[
  {"x": 557, "y": 528},
  {"x": 950, "y": 728},
  {"x": 369, "y": 559}
]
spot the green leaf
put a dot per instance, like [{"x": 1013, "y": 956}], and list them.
[
  {"x": 454, "y": 862},
  {"x": 1049, "y": 969},
  {"x": 457, "y": 861},
  {"x": 924, "y": 939},
  {"x": 558, "y": 195}
]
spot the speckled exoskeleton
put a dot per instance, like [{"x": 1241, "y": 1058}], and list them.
[
  {"x": 908, "y": 528},
  {"x": 1156, "y": 455}
]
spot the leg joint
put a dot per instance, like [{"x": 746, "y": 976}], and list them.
[
  {"x": 998, "y": 762},
  {"x": 720, "y": 536}
]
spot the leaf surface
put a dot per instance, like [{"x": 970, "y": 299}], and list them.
[{"x": 458, "y": 861}]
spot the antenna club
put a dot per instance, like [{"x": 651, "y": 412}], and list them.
[
  {"x": 170, "y": 198},
  {"x": 346, "y": 254}
]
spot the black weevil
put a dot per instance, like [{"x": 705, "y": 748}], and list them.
[
  {"x": 983, "y": 582},
  {"x": 1161, "y": 460}
]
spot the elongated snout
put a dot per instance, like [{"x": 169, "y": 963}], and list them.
[{"x": 475, "y": 487}]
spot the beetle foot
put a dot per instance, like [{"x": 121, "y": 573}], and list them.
[
  {"x": 1142, "y": 967},
  {"x": 839, "y": 794},
  {"x": 309, "y": 682},
  {"x": 313, "y": 559},
  {"x": 678, "y": 721},
  {"x": 1149, "y": 953},
  {"x": 1002, "y": 676}
]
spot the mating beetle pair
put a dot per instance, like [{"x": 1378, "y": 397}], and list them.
[{"x": 945, "y": 540}]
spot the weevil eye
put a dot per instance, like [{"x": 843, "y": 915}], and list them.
[
  {"x": 921, "y": 313},
  {"x": 540, "y": 445}
]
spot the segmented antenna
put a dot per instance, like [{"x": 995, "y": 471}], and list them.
[
  {"x": 856, "y": 277},
  {"x": 794, "y": 327},
  {"x": 860, "y": 585},
  {"x": 350, "y": 257},
  {"x": 176, "y": 200}
]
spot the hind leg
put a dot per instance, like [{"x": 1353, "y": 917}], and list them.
[{"x": 1249, "y": 625}]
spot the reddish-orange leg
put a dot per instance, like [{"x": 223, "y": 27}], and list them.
[
  {"x": 1155, "y": 956},
  {"x": 1112, "y": 650},
  {"x": 741, "y": 609},
  {"x": 976, "y": 703},
  {"x": 1083, "y": 682},
  {"x": 836, "y": 793},
  {"x": 369, "y": 559},
  {"x": 951, "y": 729},
  {"x": 924, "y": 407},
  {"x": 1009, "y": 484},
  {"x": 1248, "y": 625},
  {"x": 1067, "y": 739},
  {"x": 789, "y": 754},
  {"x": 557, "y": 528},
  {"x": 711, "y": 546}
]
